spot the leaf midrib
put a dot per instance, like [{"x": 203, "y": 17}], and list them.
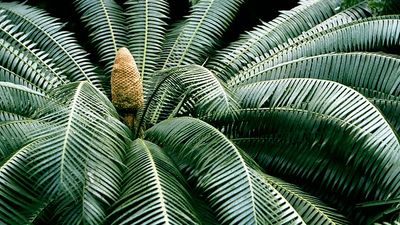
[
  {"x": 68, "y": 129},
  {"x": 160, "y": 192}
]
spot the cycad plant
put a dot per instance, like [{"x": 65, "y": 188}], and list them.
[{"x": 296, "y": 122}]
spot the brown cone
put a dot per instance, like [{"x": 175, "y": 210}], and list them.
[{"x": 126, "y": 85}]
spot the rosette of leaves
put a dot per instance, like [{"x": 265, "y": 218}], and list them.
[{"x": 296, "y": 122}]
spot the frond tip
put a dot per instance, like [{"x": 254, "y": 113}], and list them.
[{"x": 126, "y": 85}]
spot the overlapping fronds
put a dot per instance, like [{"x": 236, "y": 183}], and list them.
[
  {"x": 61, "y": 46},
  {"x": 341, "y": 105},
  {"x": 20, "y": 100},
  {"x": 19, "y": 202},
  {"x": 312, "y": 97},
  {"x": 105, "y": 22},
  {"x": 375, "y": 75},
  {"x": 310, "y": 208},
  {"x": 193, "y": 39},
  {"x": 368, "y": 34},
  {"x": 268, "y": 36},
  {"x": 231, "y": 181},
  {"x": 146, "y": 31},
  {"x": 192, "y": 83},
  {"x": 21, "y": 57},
  {"x": 152, "y": 189},
  {"x": 322, "y": 132},
  {"x": 79, "y": 154}
]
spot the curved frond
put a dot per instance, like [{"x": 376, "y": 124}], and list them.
[
  {"x": 146, "y": 31},
  {"x": 19, "y": 100},
  {"x": 375, "y": 75},
  {"x": 21, "y": 57},
  {"x": 195, "y": 84},
  {"x": 80, "y": 155},
  {"x": 268, "y": 36},
  {"x": 322, "y": 132},
  {"x": 61, "y": 46},
  {"x": 19, "y": 202},
  {"x": 310, "y": 208},
  {"x": 369, "y": 34},
  {"x": 153, "y": 189},
  {"x": 105, "y": 22},
  {"x": 224, "y": 173},
  {"x": 192, "y": 40}
]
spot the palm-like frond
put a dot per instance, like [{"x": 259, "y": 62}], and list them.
[
  {"x": 105, "y": 22},
  {"x": 224, "y": 173},
  {"x": 61, "y": 46},
  {"x": 19, "y": 100},
  {"x": 65, "y": 158},
  {"x": 83, "y": 159},
  {"x": 369, "y": 34},
  {"x": 375, "y": 75},
  {"x": 310, "y": 208},
  {"x": 21, "y": 57},
  {"x": 176, "y": 86},
  {"x": 146, "y": 31},
  {"x": 153, "y": 189},
  {"x": 19, "y": 202},
  {"x": 192, "y": 40},
  {"x": 267, "y": 36},
  {"x": 341, "y": 105},
  {"x": 322, "y": 132}
]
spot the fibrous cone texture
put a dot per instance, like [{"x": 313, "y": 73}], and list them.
[{"x": 126, "y": 84}]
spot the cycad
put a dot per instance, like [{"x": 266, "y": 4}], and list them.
[{"x": 297, "y": 122}]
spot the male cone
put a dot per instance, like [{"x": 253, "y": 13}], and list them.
[{"x": 126, "y": 87}]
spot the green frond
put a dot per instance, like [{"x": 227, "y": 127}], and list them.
[
  {"x": 321, "y": 132},
  {"x": 19, "y": 202},
  {"x": 105, "y": 22},
  {"x": 391, "y": 109},
  {"x": 190, "y": 41},
  {"x": 391, "y": 207},
  {"x": 19, "y": 100},
  {"x": 267, "y": 36},
  {"x": 173, "y": 87},
  {"x": 370, "y": 34},
  {"x": 229, "y": 179},
  {"x": 310, "y": 208},
  {"x": 80, "y": 152},
  {"x": 375, "y": 75},
  {"x": 21, "y": 60},
  {"x": 61, "y": 46},
  {"x": 146, "y": 31},
  {"x": 152, "y": 190}
]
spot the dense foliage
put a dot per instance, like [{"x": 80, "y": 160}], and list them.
[{"x": 296, "y": 122}]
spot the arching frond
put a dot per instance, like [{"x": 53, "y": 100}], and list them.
[
  {"x": 19, "y": 202},
  {"x": 19, "y": 100},
  {"x": 310, "y": 208},
  {"x": 322, "y": 132},
  {"x": 173, "y": 87},
  {"x": 146, "y": 31},
  {"x": 224, "y": 173},
  {"x": 21, "y": 57},
  {"x": 369, "y": 34},
  {"x": 153, "y": 189},
  {"x": 375, "y": 75},
  {"x": 267, "y": 36},
  {"x": 192, "y": 40},
  {"x": 105, "y": 22},
  {"x": 61, "y": 46},
  {"x": 80, "y": 152}
]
